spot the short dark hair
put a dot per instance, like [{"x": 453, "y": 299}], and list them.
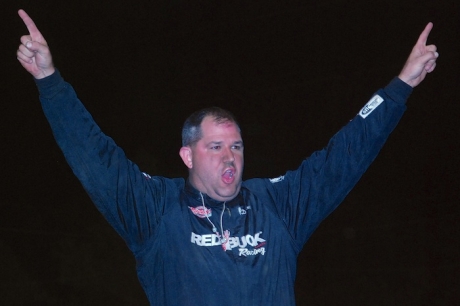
[{"x": 191, "y": 131}]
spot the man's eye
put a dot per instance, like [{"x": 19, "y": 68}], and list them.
[
  {"x": 236, "y": 148},
  {"x": 215, "y": 148}
]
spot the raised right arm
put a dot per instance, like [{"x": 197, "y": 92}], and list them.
[{"x": 129, "y": 200}]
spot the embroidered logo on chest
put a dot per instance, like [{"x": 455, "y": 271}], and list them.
[
  {"x": 201, "y": 211},
  {"x": 247, "y": 245}
]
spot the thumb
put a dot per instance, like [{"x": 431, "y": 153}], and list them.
[
  {"x": 429, "y": 56},
  {"x": 42, "y": 53},
  {"x": 36, "y": 58},
  {"x": 37, "y": 47},
  {"x": 34, "y": 45}
]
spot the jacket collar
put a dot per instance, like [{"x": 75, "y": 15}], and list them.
[{"x": 195, "y": 194}]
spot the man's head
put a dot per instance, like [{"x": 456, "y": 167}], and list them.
[{"x": 212, "y": 149}]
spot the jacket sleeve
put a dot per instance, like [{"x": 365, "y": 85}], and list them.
[
  {"x": 304, "y": 197},
  {"x": 117, "y": 187}
]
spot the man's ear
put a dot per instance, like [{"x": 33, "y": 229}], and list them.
[{"x": 186, "y": 155}]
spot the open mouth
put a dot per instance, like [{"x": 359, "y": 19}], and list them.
[{"x": 229, "y": 176}]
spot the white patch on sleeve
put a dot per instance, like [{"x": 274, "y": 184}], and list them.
[
  {"x": 370, "y": 106},
  {"x": 277, "y": 179}
]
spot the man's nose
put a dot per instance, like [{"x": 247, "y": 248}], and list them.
[{"x": 228, "y": 155}]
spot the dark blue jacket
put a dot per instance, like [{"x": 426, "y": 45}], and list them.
[{"x": 180, "y": 261}]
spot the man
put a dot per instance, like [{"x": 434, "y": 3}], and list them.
[{"x": 214, "y": 239}]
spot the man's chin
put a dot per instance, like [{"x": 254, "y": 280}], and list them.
[{"x": 228, "y": 194}]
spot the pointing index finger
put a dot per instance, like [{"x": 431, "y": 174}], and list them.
[
  {"x": 424, "y": 36},
  {"x": 31, "y": 27}
]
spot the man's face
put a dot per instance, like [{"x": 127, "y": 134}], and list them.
[{"x": 216, "y": 161}]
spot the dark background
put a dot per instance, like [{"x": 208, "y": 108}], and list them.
[{"x": 293, "y": 73}]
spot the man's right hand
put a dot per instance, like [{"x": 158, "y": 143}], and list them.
[{"x": 33, "y": 52}]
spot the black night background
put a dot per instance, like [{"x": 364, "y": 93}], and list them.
[{"x": 293, "y": 73}]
